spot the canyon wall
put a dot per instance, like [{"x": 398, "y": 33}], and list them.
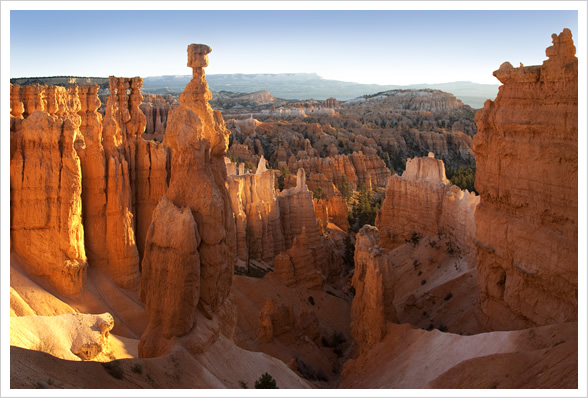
[
  {"x": 527, "y": 176},
  {"x": 387, "y": 279}
]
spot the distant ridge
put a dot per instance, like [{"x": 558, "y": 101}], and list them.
[
  {"x": 310, "y": 85},
  {"x": 292, "y": 86}
]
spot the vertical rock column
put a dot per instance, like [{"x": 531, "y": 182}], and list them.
[
  {"x": 45, "y": 188},
  {"x": 198, "y": 140},
  {"x": 527, "y": 176},
  {"x": 373, "y": 280},
  {"x": 93, "y": 163},
  {"x": 119, "y": 241}
]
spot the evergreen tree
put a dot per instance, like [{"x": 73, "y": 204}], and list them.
[{"x": 266, "y": 381}]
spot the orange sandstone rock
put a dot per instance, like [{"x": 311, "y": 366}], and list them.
[
  {"x": 373, "y": 281},
  {"x": 257, "y": 214},
  {"x": 301, "y": 264},
  {"x": 274, "y": 319},
  {"x": 423, "y": 202},
  {"x": 170, "y": 280},
  {"x": 527, "y": 175},
  {"x": 45, "y": 191},
  {"x": 198, "y": 140}
]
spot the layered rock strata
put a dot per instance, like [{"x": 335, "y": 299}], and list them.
[
  {"x": 297, "y": 211},
  {"x": 109, "y": 161},
  {"x": 299, "y": 265},
  {"x": 527, "y": 176}
]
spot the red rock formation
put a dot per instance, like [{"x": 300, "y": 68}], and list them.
[
  {"x": 371, "y": 170},
  {"x": 171, "y": 261},
  {"x": 337, "y": 211},
  {"x": 422, "y": 201},
  {"x": 373, "y": 281},
  {"x": 93, "y": 163},
  {"x": 357, "y": 168},
  {"x": 156, "y": 109},
  {"x": 46, "y": 185},
  {"x": 527, "y": 175},
  {"x": 152, "y": 171},
  {"x": 321, "y": 214},
  {"x": 301, "y": 264},
  {"x": 198, "y": 140},
  {"x": 330, "y": 103},
  {"x": 297, "y": 211},
  {"x": 115, "y": 251},
  {"x": 274, "y": 319},
  {"x": 257, "y": 214}
]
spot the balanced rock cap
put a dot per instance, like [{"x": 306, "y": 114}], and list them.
[{"x": 198, "y": 55}]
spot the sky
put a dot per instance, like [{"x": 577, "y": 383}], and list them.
[{"x": 364, "y": 46}]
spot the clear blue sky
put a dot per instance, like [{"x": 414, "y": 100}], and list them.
[{"x": 383, "y": 47}]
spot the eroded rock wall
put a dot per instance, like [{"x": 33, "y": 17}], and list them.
[
  {"x": 358, "y": 169},
  {"x": 527, "y": 176},
  {"x": 257, "y": 214},
  {"x": 118, "y": 176},
  {"x": 46, "y": 185},
  {"x": 423, "y": 202}
]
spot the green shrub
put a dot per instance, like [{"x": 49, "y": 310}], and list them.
[{"x": 266, "y": 381}]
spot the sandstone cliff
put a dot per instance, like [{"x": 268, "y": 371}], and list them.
[
  {"x": 527, "y": 176},
  {"x": 46, "y": 185}
]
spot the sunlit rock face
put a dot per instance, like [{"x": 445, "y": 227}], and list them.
[
  {"x": 105, "y": 185},
  {"x": 527, "y": 176},
  {"x": 197, "y": 140},
  {"x": 193, "y": 223},
  {"x": 358, "y": 169},
  {"x": 46, "y": 185},
  {"x": 423, "y": 201},
  {"x": 110, "y": 163}
]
